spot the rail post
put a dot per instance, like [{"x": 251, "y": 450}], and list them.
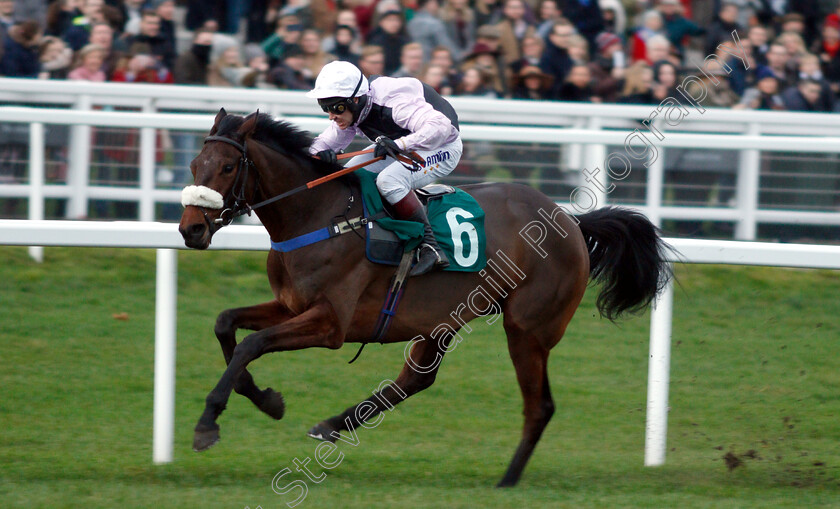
[
  {"x": 78, "y": 175},
  {"x": 659, "y": 366},
  {"x": 166, "y": 303},
  {"x": 147, "y": 167},
  {"x": 747, "y": 190},
  {"x": 36, "y": 182}
]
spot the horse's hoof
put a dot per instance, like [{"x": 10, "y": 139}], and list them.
[
  {"x": 205, "y": 439},
  {"x": 324, "y": 432},
  {"x": 504, "y": 483},
  {"x": 273, "y": 404}
]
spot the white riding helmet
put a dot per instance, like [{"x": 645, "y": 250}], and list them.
[{"x": 339, "y": 79}]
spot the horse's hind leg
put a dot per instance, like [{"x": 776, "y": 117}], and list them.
[
  {"x": 530, "y": 358},
  {"x": 256, "y": 317},
  {"x": 418, "y": 373}
]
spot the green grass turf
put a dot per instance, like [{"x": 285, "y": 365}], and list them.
[{"x": 754, "y": 373}]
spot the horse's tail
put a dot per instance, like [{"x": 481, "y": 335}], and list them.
[{"x": 626, "y": 256}]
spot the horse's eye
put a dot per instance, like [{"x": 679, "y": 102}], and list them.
[{"x": 227, "y": 169}]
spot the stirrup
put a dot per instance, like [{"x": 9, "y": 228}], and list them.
[{"x": 427, "y": 263}]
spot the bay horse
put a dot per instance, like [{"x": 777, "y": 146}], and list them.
[{"x": 328, "y": 294}]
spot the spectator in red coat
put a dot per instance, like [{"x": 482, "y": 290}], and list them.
[
  {"x": 143, "y": 68},
  {"x": 364, "y": 10},
  {"x": 652, "y": 25},
  {"x": 828, "y": 47}
]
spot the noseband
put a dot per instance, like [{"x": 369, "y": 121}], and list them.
[{"x": 235, "y": 203}]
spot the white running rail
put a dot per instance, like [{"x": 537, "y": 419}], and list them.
[{"x": 166, "y": 239}]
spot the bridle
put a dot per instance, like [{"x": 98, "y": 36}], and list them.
[{"x": 235, "y": 204}]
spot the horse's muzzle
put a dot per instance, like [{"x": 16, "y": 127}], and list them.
[{"x": 195, "y": 228}]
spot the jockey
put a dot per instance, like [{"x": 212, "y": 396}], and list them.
[{"x": 398, "y": 115}]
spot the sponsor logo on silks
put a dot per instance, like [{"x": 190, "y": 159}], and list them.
[{"x": 441, "y": 156}]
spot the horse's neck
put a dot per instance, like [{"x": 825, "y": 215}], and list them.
[{"x": 303, "y": 212}]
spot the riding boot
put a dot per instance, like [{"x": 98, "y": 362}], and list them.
[{"x": 430, "y": 255}]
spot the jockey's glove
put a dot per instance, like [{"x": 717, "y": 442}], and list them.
[
  {"x": 385, "y": 146},
  {"x": 328, "y": 156}
]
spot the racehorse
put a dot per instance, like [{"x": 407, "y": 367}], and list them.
[{"x": 328, "y": 294}]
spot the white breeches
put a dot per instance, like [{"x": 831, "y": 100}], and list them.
[{"x": 395, "y": 181}]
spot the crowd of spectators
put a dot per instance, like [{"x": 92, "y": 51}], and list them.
[{"x": 786, "y": 55}]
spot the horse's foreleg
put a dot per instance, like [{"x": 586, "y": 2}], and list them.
[
  {"x": 315, "y": 327},
  {"x": 418, "y": 373},
  {"x": 255, "y": 318}
]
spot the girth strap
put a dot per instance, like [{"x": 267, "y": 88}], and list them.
[{"x": 334, "y": 230}]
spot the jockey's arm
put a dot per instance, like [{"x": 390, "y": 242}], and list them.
[
  {"x": 332, "y": 138},
  {"x": 429, "y": 127}
]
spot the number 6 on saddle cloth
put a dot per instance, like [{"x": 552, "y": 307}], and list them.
[{"x": 458, "y": 224}]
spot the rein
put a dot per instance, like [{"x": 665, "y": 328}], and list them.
[
  {"x": 318, "y": 181},
  {"x": 240, "y": 206}
]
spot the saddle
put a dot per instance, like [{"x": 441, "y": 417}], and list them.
[{"x": 383, "y": 246}]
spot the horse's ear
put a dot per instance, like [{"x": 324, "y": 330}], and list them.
[
  {"x": 250, "y": 124},
  {"x": 219, "y": 116}
]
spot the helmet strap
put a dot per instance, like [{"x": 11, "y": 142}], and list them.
[
  {"x": 356, "y": 107},
  {"x": 358, "y": 85}
]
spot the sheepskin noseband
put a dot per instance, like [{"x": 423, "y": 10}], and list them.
[{"x": 202, "y": 196}]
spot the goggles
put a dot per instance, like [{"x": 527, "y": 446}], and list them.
[{"x": 333, "y": 106}]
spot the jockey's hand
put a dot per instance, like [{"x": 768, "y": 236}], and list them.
[
  {"x": 328, "y": 156},
  {"x": 385, "y": 146}
]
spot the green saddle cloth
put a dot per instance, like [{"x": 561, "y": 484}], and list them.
[{"x": 456, "y": 218}]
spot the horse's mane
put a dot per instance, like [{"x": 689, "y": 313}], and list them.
[{"x": 282, "y": 137}]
